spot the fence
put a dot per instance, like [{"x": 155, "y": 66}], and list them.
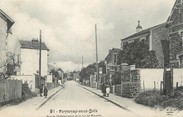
[{"x": 10, "y": 90}]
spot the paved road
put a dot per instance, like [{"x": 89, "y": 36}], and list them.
[{"x": 74, "y": 100}]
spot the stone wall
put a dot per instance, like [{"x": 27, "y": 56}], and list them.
[
  {"x": 130, "y": 89},
  {"x": 175, "y": 30},
  {"x": 158, "y": 34}
]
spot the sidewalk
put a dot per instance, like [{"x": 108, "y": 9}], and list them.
[
  {"x": 34, "y": 102},
  {"x": 130, "y": 105}
]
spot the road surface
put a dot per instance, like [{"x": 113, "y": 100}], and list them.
[
  {"x": 82, "y": 102},
  {"x": 72, "y": 101}
]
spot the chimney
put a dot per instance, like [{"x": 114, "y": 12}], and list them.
[
  {"x": 138, "y": 28},
  {"x": 34, "y": 42}
]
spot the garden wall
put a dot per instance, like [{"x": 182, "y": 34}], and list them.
[{"x": 151, "y": 78}]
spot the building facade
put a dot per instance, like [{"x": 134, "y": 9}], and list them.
[
  {"x": 175, "y": 26},
  {"x": 152, "y": 37},
  {"x": 5, "y": 28},
  {"x": 111, "y": 62},
  {"x": 27, "y": 56}
]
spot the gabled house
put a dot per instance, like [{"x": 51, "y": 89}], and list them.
[
  {"x": 27, "y": 56},
  {"x": 175, "y": 26},
  {"x": 111, "y": 61},
  {"x": 152, "y": 37},
  {"x": 5, "y": 28}
]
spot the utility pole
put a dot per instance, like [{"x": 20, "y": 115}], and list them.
[
  {"x": 40, "y": 64},
  {"x": 82, "y": 63},
  {"x": 96, "y": 54}
]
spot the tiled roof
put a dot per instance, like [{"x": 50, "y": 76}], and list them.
[
  {"x": 33, "y": 45},
  {"x": 145, "y": 31},
  {"x": 9, "y": 21}
]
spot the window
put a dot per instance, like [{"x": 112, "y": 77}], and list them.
[{"x": 116, "y": 57}]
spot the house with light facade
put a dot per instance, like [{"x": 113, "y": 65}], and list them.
[
  {"x": 5, "y": 29},
  {"x": 27, "y": 62},
  {"x": 175, "y": 27},
  {"x": 27, "y": 55},
  {"x": 151, "y": 37}
]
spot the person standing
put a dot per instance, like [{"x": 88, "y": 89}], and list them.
[
  {"x": 107, "y": 90},
  {"x": 45, "y": 91},
  {"x": 41, "y": 90},
  {"x": 103, "y": 88}
]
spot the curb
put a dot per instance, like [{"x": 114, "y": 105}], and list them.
[
  {"x": 120, "y": 106},
  {"x": 47, "y": 99}
]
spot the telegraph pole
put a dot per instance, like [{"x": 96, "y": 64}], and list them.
[
  {"x": 82, "y": 63},
  {"x": 40, "y": 55},
  {"x": 40, "y": 64},
  {"x": 96, "y": 54}
]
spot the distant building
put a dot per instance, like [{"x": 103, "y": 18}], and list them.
[
  {"x": 175, "y": 26},
  {"x": 76, "y": 75},
  {"x": 152, "y": 37},
  {"x": 27, "y": 56},
  {"x": 5, "y": 28}
]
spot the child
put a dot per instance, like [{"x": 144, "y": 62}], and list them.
[
  {"x": 45, "y": 91},
  {"x": 107, "y": 90}
]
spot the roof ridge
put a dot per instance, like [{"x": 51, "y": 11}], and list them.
[{"x": 143, "y": 31}]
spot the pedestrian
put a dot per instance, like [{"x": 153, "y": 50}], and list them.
[
  {"x": 45, "y": 91},
  {"x": 103, "y": 88},
  {"x": 107, "y": 90},
  {"x": 41, "y": 90}
]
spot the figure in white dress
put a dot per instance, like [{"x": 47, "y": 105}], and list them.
[{"x": 107, "y": 90}]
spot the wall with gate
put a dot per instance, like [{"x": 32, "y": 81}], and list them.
[{"x": 10, "y": 90}]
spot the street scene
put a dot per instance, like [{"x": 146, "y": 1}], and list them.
[{"x": 91, "y": 58}]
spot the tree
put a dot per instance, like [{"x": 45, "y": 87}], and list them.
[
  {"x": 9, "y": 66},
  {"x": 138, "y": 53}
]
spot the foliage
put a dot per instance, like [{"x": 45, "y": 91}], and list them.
[
  {"x": 26, "y": 91},
  {"x": 56, "y": 74},
  {"x": 154, "y": 98},
  {"x": 138, "y": 53},
  {"x": 149, "y": 98},
  {"x": 9, "y": 66},
  {"x": 91, "y": 69},
  {"x": 173, "y": 102}
]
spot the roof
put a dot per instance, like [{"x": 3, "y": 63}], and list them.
[
  {"x": 145, "y": 31},
  {"x": 111, "y": 51},
  {"x": 169, "y": 18},
  {"x": 5, "y": 17},
  {"x": 33, "y": 45}
]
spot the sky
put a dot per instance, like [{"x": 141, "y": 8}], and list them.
[{"x": 68, "y": 26}]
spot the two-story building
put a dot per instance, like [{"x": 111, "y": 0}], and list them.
[
  {"x": 111, "y": 61},
  {"x": 5, "y": 28},
  {"x": 175, "y": 26},
  {"x": 152, "y": 37},
  {"x": 27, "y": 56}
]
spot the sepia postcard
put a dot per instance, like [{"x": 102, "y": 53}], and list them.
[{"x": 91, "y": 58}]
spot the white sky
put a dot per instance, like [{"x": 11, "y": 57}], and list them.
[{"x": 68, "y": 25}]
